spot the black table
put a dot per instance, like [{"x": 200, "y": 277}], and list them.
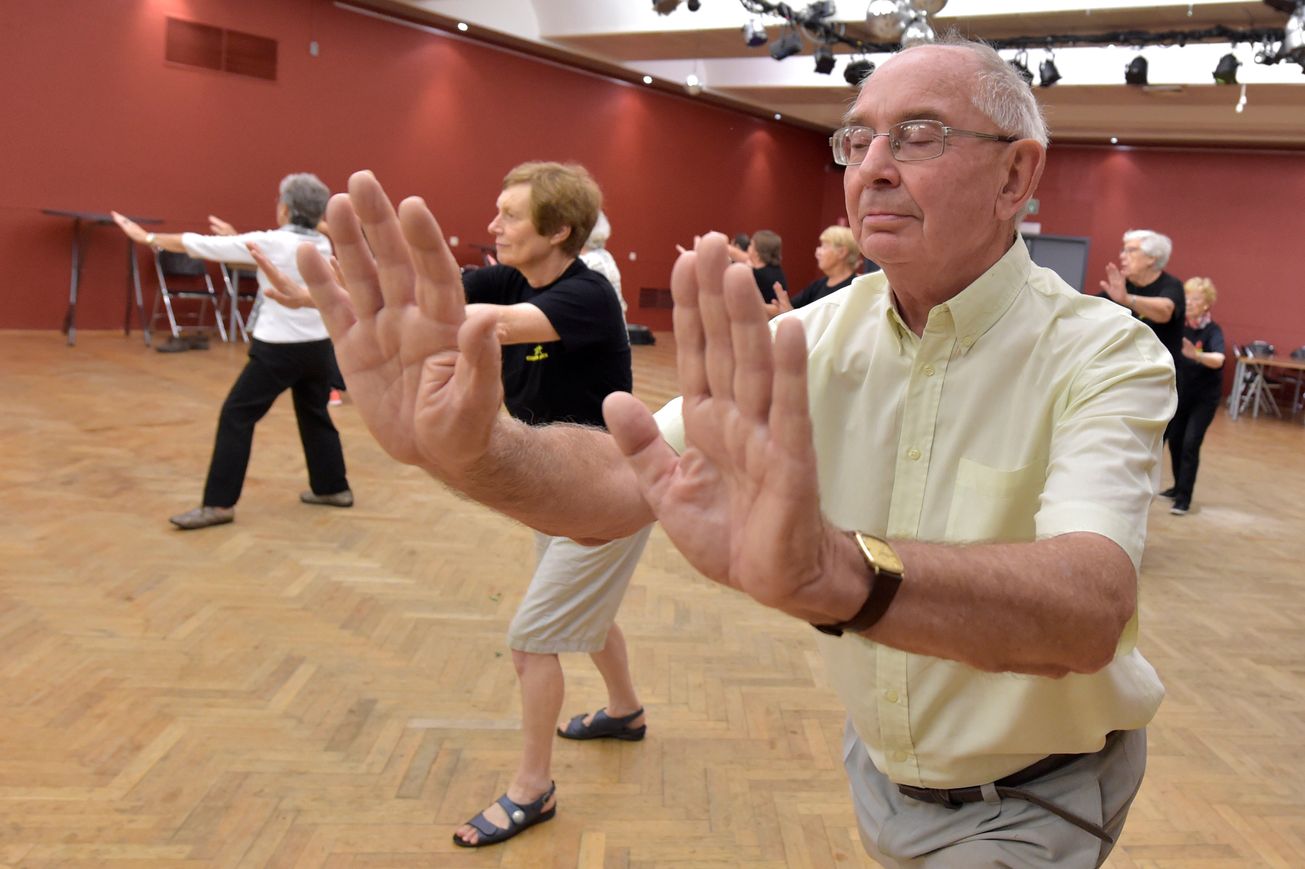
[{"x": 82, "y": 223}]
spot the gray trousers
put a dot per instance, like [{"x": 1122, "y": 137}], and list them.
[{"x": 899, "y": 831}]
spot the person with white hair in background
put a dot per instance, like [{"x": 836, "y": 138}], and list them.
[
  {"x": 1141, "y": 284},
  {"x": 290, "y": 349},
  {"x": 596, "y": 255}
]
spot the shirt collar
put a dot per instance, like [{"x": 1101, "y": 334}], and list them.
[{"x": 975, "y": 309}]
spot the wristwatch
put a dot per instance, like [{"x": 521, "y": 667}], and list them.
[{"x": 886, "y": 574}]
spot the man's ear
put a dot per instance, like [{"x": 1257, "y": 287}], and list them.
[{"x": 1023, "y": 165}]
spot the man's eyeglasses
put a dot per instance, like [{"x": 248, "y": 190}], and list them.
[{"x": 909, "y": 141}]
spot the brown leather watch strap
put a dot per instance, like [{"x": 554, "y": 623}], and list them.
[{"x": 883, "y": 588}]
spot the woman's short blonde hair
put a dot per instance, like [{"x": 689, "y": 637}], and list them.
[
  {"x": 561, "y": 194},
  {"x": 1204, "y": 286},
  {"x": 841, "y": 238}
]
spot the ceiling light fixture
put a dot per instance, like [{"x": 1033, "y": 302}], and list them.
[
  {"x": 462, "y": 25},
  {"x": 787, "y": 45},
  {"x": 647, "y": 79},
  {"x": 824, "y": 58},
  {"x": 1225, "y": 72},
  {"x": 1047, "y": 72},
  {"x": 1135, "y": 72},
  {"x": 693, "y": 84},
  {"x": 918, "y": 30},
  {"x": 1020, "y": 63},
  {"x": 886, "y": 19},
  {"x": 1114, "y": 141},
  {"x": 665, "y": 7},
  {"x": 858, "y": 71},
  {"x": 694, "y": 5},
  {"x": 754, "y": 32}
]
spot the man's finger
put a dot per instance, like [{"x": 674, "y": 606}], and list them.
[
  {"x": 355, "y": 256},
  {"x": 790, "y": 413},
  {"x": 690, "y": 362},
  {"x": 334, "y": 303},
  {"x": 711, "y": 263},
  {"x": 439, "y": 291},
  {"x": 639, "y": 440},
  {"x": 750, "y": 338},
  {"x": 380, "y": 224}
]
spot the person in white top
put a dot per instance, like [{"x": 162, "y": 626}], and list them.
[
  {"x": 596, "y": 255},
  {"x": 290, "y": 350},
  {"x": 946, "y": 467}
]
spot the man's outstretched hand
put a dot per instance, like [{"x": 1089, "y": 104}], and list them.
[
  {"x": 742, "y": 501},
  {"x": 425, "y": 379}
]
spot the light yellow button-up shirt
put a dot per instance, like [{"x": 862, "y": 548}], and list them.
[{"x": 1024, "y": 411}]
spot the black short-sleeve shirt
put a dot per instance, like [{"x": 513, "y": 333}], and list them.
[
  {"x": 1170, "y": 332},
  {"x": 1194, "y": 379},
  {"x": 818, "y": 289},
  {"x": 564, "y": 380},
  {"x": 766, "y": 277}
]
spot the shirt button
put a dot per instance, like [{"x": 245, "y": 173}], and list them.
[
  {"x": 890, "y": 695},
  {"x": 913, "y": 454},
  {"x": 899, "y": 757},
  {"x": 928, "y": 370}
]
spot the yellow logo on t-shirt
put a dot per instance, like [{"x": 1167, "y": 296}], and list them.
[{"x": 538, "y": 354}]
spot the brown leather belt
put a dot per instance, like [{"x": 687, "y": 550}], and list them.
[{"x": 1011, "y": 787}]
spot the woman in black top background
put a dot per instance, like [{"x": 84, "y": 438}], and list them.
[{"x": 1200, "y": 386}]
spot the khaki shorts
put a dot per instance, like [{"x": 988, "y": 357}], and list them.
[{"x": 574, "y": 595}]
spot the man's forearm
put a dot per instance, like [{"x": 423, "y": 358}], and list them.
[
  {"x": 1047, "y": 608},
  {"x": 530, "y": 473}
]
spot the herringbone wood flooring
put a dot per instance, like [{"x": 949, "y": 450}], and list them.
[{"x": 322, "y": 687}]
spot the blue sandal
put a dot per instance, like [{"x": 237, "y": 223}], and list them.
[
  {"x": 602, "y": 725},
  {"x": 519, "y": 818}
]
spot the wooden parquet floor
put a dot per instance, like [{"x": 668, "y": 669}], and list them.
[{"x": 319, "y": 687}]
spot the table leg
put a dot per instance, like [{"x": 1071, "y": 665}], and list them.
[
  {"x": 134, "y": 285},
  {"x": 1235, "y": 398},
  {"x": 70, "y": 318}
]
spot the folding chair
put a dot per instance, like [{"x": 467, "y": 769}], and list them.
[
  {"x": 1256, "y": 387},
  {"x": 242, "y": 286},
  {"x": 184, "y": 277}
]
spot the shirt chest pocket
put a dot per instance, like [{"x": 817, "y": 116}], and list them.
[{"x": 992, "y": 504}]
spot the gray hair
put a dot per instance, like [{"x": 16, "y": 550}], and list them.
[
  {"x": 305, "y": 196},
  {"x": 999, "y": 92},
  {"x": 599, "y": 235},
  {"x": 1153, "y": 244}
]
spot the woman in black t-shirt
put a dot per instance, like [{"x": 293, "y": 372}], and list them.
[{"x": 1200, "y": 386}]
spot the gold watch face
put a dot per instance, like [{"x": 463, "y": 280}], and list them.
[{"x": 884, "y": 557}]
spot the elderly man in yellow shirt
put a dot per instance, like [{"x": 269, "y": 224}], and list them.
[{"x": 945, "y": 468}]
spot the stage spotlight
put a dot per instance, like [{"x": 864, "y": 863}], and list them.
[
  {"x": 1048, "y": 73},
  {"x": 665, "y": 7},
  {"x": 754, "y": 32},
  {"x": 858, "y": 71},
  {"x": 1135, "y": 72},
  {"x": 1021, "y": 67},
  {"x": 824, "y": 59},
  {"x": 787, "y": 45},
  {"x": 694, "y": 5},
  {"x": 820, "y": 10},
  {"x": 1226, "y": 71}
]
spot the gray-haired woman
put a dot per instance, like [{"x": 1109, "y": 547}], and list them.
[{"x": 290, "y": 349}]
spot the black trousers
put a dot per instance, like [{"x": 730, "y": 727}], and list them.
[
  {"x": 306, "y": 369},
  {"x": 1186, "y": 432}
]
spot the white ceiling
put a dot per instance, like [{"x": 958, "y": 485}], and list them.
[{"x": 1091, "y": 103}]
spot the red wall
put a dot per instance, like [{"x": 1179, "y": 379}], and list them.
[
  {"x": 96, "y": 120},
  {"x": 1234, "y": 217}
]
